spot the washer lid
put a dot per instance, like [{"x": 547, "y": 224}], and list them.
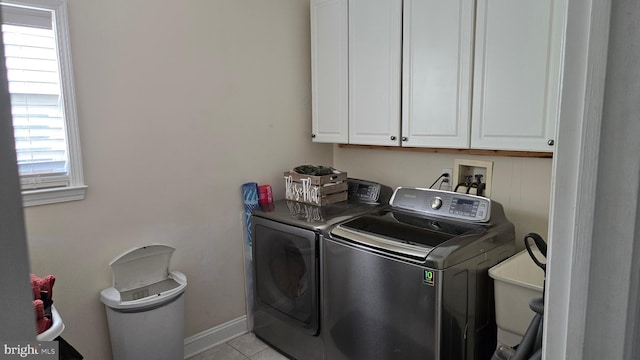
[{"x": 142, "y": 266}]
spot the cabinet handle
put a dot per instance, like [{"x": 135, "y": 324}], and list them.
[
  {"x": 313, "y": 136},
  {"x": 404, "y": 138},
  {"x": 550, "y": 142},
  {"x": 393, "y": 138}
]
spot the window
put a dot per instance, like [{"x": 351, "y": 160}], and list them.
[{"x": 38, "y": 61}]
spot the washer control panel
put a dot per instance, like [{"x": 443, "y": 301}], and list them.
[{"x": 443, "y": 203}]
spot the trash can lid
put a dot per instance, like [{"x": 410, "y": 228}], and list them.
[
  {"x": 146, "y": 297},
  {"x": 139, "y": 267}
]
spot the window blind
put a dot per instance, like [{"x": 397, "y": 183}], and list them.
[{"x": 36, "y": 96}]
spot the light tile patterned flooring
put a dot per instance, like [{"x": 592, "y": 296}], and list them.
[{"x": 244, "y": 347}]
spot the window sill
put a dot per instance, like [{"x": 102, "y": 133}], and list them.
[{"x": 52, "y": 196}]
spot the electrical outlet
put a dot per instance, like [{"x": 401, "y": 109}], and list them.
[{"x": 447, "y": 182}]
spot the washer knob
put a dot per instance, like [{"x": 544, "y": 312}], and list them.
[{"x": 436, "y": 203}]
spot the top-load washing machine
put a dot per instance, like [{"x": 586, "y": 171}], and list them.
[
  {"x": 411, "y": 281},
  {"x": 287, "y": 270}
]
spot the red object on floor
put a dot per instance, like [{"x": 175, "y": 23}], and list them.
[
  {"x": 42, "y": 299},
  {"x": 42, "y": 322},
  {"x": 42, "y": 284}
]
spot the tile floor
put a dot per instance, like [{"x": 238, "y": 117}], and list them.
[{"x": 244, "y": 347}]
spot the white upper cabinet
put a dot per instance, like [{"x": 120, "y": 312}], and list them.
[
  {"x": 329, "y": 71},
  {"x": 437, "y": 70},
  {"x": 481, "y": 74},
  {"x": 517, "y": 74},
  {"x": 356, "y": 71},
  {"x": 375, "y": 55}
]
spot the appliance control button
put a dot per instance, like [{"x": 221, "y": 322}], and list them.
[{"x": 436, "y": 203}]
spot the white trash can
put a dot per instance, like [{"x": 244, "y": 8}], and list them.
[{"x": 145, "y": 306}]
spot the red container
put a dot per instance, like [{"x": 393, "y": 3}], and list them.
[{"x": 265, "y": 196}]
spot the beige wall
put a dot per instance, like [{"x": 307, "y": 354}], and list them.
[
  {"x": 179, "y": 103},
  {"x": 521, "y": 185}
]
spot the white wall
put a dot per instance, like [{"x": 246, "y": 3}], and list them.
[
  {"x": 611, "y": 329},
  {"x": 521, "y": 185},
  {"x": 179, "y": 103}
]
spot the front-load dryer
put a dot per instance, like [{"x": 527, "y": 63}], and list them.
[{"x": 286, "y": 255}]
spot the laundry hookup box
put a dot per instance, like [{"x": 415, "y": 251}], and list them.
[{"x": 316, "y": 190}]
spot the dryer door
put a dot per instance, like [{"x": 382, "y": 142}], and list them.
[{"x": 285, "y": 263}]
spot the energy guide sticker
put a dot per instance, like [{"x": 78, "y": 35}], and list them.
[{"x": 429, "y": 278}]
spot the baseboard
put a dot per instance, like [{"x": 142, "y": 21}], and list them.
[{"x": 209, "y": 338}]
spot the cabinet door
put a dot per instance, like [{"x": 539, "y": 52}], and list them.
[
  {"x": 517, "y": 74},
  {"x": 329, "y": 71},
  {"x": 437, "y": 65},
  {"x": 375, "y": 40}
]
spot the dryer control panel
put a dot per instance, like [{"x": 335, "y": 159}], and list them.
[
  {"x": 442, "y": 203},
  {"x": 368, "y": 191}
]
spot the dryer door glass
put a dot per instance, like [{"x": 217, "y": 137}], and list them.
[{"x": 285, "y": 271}]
